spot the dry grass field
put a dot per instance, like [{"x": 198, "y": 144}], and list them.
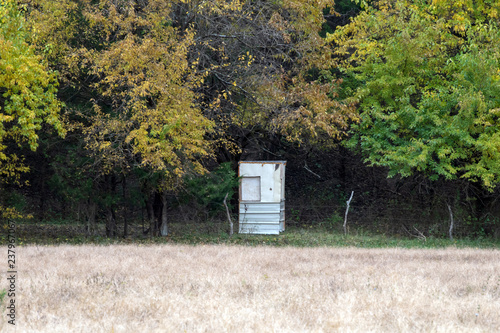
[{"x": 180, "y": 288}]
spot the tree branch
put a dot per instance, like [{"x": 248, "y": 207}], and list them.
[
  {"x": 347, "y": 211},
  {"x": 228, "y": 217}
]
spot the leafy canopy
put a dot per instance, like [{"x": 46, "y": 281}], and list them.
[
  {"x": 428, "y": 87},
  {"x": 128, "y": 60},
  {"x": 27, "y": 94},
  {"x": 27, "y": 86},
  {"x": 267, "y": 69}
]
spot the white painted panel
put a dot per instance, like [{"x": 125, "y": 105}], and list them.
[
  {"x": 277, "y": 182},
  {"x": 266, "y": 172},
  {"x": 282, "y": 170},
  {"x": 250, "y": 188},
  {"x": 268, "y": 183}
]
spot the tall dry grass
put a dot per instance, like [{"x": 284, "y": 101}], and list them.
[{"x": 255, "y": 289}]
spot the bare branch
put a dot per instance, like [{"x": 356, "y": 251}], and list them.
[
  {"x": 347, "y": 211},
  {"x": 307, "y": 168},
  {"x": 420, "y": 234},
  {"x": 450, "y": 232},
  {"x": 228, "y": 216}
]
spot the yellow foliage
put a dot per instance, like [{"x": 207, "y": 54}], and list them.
[
  {"x": 8, "y": 213},
  {"x": 145, "y": 115},
  {"x": 28, "y": 91}
]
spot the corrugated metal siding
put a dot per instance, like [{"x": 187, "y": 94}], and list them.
[
  {"x": 282, "y": 216},
  {"x": 260, "y": 217}
]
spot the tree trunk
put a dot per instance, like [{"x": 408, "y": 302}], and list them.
[
  {"x": 450, "y": 231},
  {"x": 164, "y": 225},
  {"x": 111, "y": 223},
  {"x": 111, "y": 229},
  {"x": 151, "y": 215},
  {"x": 228, "y": 216},
  {"x": 90, "y": 211},
  {"x": 347, "y": 211},
  {"x": 125, "y": 220}
]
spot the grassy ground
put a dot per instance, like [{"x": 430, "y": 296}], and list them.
[
  {"x": 198, "y": 279},
  {"x": 210, "y": 233},
  {"x": 220, "y": 288}
]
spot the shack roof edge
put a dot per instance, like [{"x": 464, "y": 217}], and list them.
[{"x": 263, "y": 162}]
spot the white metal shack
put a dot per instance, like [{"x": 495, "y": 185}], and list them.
[{"x": 262, "y": 197}]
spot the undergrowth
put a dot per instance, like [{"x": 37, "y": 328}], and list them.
[{"x": 213, "y": 233}]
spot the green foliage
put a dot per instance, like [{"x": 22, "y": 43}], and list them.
[
  {"x": 153, "y": 89},
  {"x": 294, "y": 216},
  {"x": 210, "y": 189},
  {"x": 3, "y": 293},
  {"x": 182, "y": 233},
  {"x": 15, "y": 200},
  {"x": 27, "y": 87},
  {"x": 70, "y": 179},
  {"x": 334, "y": 222},
  {"x": 346, "y": 6},
  {"x": 27, "y": 96},
  {"x": 430, "y": 97},
  {"x": 350, "y": 84}
]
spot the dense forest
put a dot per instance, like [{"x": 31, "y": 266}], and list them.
[{"x": 118, "y": 112}]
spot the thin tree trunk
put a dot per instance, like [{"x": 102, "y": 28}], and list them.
[
  {"x": 111, "y": 217},
  {"x": 142, "y": 221},
  {"x": 164, "y": 225},
  {"x": 450, "y": 232},
  {"x": 125, "y": 220},
  {"x": 347, "y": 211},
  {"x": 90, "y": 212},
  {"x": 111, "y": 223},
  {"x": 228, "y": 217},
  {"x": 151, "y": 215},
  {"x": 42, "y": 199}
]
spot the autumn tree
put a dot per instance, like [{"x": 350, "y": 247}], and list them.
[
  {"x": 150, "y": 85},
  {"x": 27, "y": 95},
  {"x": 427, "y": 87},
  {"x": 268, "y": 71},
  {"x": 132, "y": 65}
]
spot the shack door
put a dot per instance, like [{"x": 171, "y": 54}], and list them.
[{"x": 250, "y": 189}]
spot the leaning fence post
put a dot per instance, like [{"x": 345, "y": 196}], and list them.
[
  {"x": 347, "y": 211},
  {"x": 228, "y": 217},
  {"x": 450, "y": 232}
]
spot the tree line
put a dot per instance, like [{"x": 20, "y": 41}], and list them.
[{"x": 111, "y": 107}]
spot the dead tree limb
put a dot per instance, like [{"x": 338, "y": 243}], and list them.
[
  {"x": 450, "y": 232},
  {"x": 419, "y": 235},
  {"x": 307, "y": 168},
  {"x": 228, "y": 216},
  {"x": 347, "y": 211}
]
